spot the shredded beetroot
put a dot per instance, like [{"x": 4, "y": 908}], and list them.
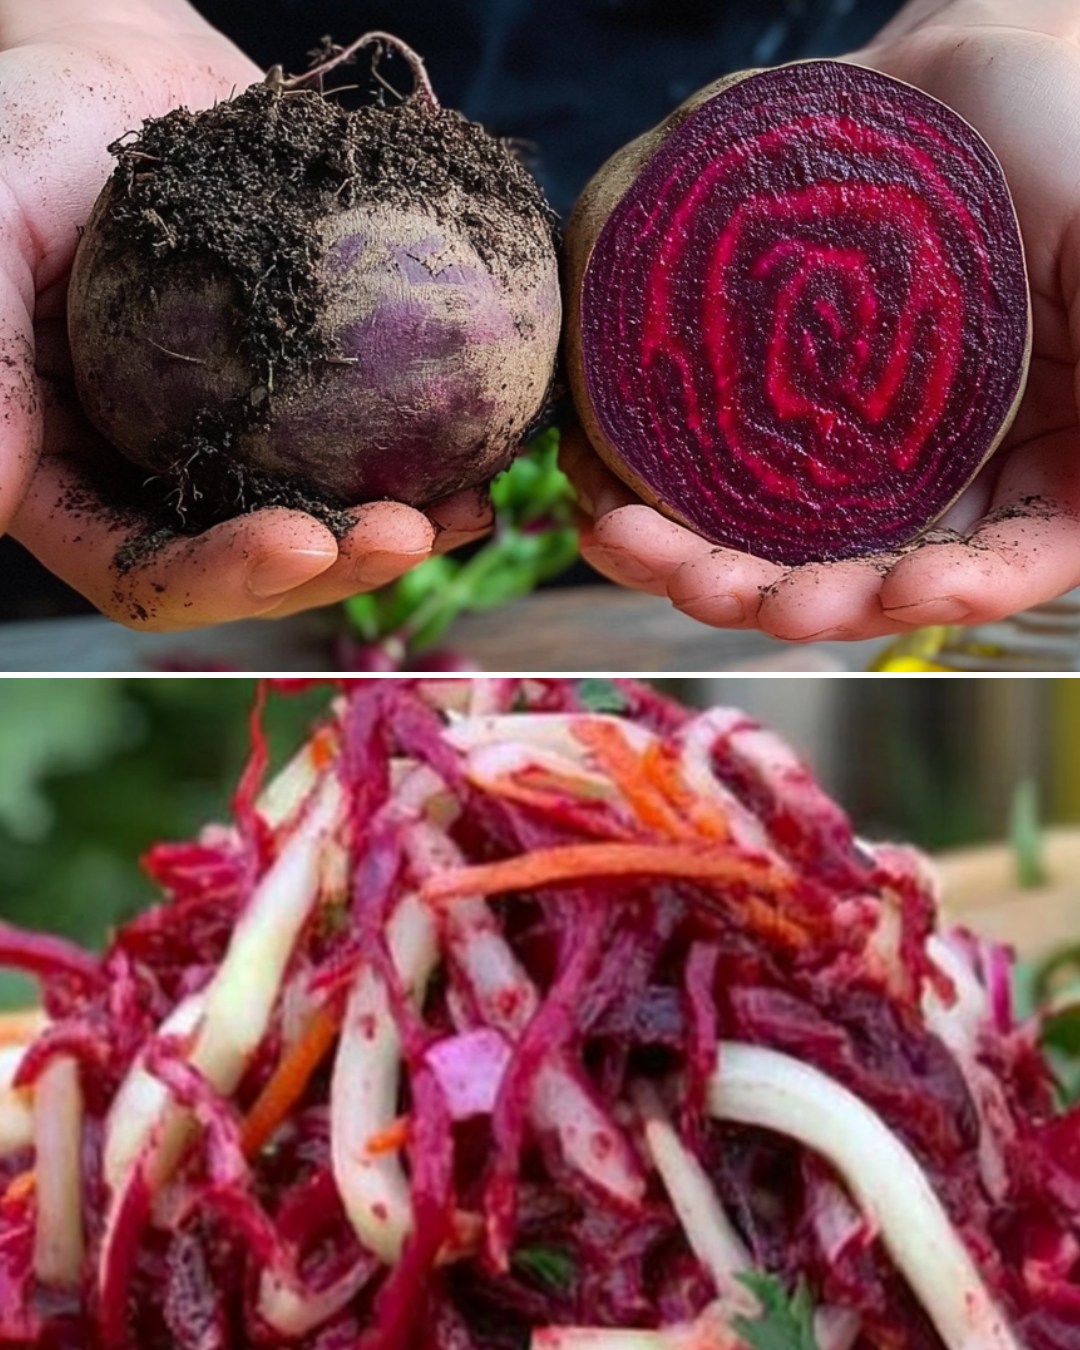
[{"x": 519, "y": 1032}]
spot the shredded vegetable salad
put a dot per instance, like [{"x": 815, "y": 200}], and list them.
[{"x": 532, "y": 1015}]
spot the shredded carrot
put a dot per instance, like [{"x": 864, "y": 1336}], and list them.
[
  {"x": 511, "y": 789},
  {"x": 661, "y": 764},
  {"x": 390, "y": 1140},
  {"x": 626, "y": 768},
  {"x": 289, "y": 1080},
  {"x": 322, "y": 748},
  {"x": 768, "y": 922},
  {"x": 20, "y": 1188},
  {"x": 466, "y": 1239},
  {"x": 21, "y": 1028},
  {"x": 578, "y": 862}
]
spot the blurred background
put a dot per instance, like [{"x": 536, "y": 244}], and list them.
[{"x": 95, "y": 770}]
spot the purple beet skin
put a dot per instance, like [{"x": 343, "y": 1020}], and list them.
[
  {"x": 800, "y": 318},
  {"x": 278, "y": 292}
]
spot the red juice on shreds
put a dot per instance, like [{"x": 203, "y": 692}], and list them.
[
  {"x": 517, "y": 1012},
  {"x": 798, "y": 318}
]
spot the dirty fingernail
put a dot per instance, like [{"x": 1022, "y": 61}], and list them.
[
  {"x": 943, "y": 609},
  {"x": 283, "y": 572}
]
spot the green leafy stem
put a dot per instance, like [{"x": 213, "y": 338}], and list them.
[{"x": 534, "y": 541}]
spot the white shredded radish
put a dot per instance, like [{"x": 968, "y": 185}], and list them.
[
  {"x": 555, "y": 732},
  {"x": 836, "y": 1328},
  {"x": 487, "y": 765},
  {"x": 233, "y": 1014},
  {"x": 292, "y": 1311},
  {"x": 470, "y": 1068},
  {"x": 589, "y": 1140},
  {"x": 59, "y": 1244},
  {"x": 487, "y": 696},
  {"x": 960, "y": 1026},
  {"x": 756, "y": 1086},
  {"x": 16, "y": 1104},
  {"x": 240, "y": 998},
  {"x": 711, "y": 1234},
  {"x": 287, "y": 791},
  {"x": 367, "y": 1076},
  {"x": 837, "y": 1222},
  {"x": 143, "y": 1101},
  {"x": 697, "y": 740},
  {"x": 561, "y": 1105}
]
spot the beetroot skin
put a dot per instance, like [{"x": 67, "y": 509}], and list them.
[
  {"x": 278, "y": 290},
  {"x": 798, "y": 318}
]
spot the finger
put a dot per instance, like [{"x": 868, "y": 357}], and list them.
[
  {"x": 722, "y": 587},
  {"x": 20, "y": 400},
  {"x": 598, "y": 490},
  {"x": 636, "y": 546},
  {"x": 828, "y": 602},
  {"x": 237, "y": 570},
  {"x": 388, "y": 540},
  {"x": 461, "y": 519},
  {"x": 1027, "y": 551}
]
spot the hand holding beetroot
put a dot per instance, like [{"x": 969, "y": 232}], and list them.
[
  {"x": 71, "y": 82},
  {"x": 1013, "y": 537}
]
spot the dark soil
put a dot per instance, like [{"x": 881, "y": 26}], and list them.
[{"x": 239, "y": 189}]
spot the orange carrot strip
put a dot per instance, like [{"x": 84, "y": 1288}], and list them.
[
  {"x": 20, "y": 1188},
  {"x": 767, "y": 921},
  {"x": 390, "y": 1140},
  {"x": 289, "y": 1080},
  {"x": 661, "y": 764},
  {"x": 579, "y": 862},
  {"x": 625, "y": 766},
  {"x": 323, "y": 748}
]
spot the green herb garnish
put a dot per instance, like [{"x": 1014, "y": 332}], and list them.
[
  {"x": 786, "y": 1321},
  {"x": 601, "y": 696},
  {"x": 548, "y": 1265}
]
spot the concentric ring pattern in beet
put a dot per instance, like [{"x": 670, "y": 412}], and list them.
[{"x": 805, "y": 325}]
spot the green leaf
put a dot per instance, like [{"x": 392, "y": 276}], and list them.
[
  {"x": 362, "y": 611},
  {"x": 548, "y": 1265},
  {"x": 1025, "y": 831},
  {"x": 55, "y": 727},
  {"x": 534, "y": 541},
  {"x": 601, "y": 696},
  {"x": 786, "y": 1321}
]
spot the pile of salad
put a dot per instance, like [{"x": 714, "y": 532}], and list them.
[{"x": 532, "y": 1015}]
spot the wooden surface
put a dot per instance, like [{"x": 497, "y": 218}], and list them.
[
  {"x": 588, "y": 628},
  {"x": 981, "y": 891}
]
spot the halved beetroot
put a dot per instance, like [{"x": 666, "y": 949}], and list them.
[{"x": 799, "y": 318}]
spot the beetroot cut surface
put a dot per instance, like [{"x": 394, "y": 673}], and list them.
[{"x": 804, "y": 324}]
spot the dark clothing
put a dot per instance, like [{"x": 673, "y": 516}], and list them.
[{"x": 573, "y": 79}]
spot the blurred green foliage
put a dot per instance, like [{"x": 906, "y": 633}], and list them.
[
  {"x": 534, "y": 541},
  {"x": 95, "y": 770}
]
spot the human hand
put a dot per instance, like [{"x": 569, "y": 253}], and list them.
[
  {"x": 73, "y": 78},
  {"x": 1012, "y": 69}
]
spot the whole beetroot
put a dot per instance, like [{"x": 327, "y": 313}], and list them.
[{"x": 279, "y": 299}]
